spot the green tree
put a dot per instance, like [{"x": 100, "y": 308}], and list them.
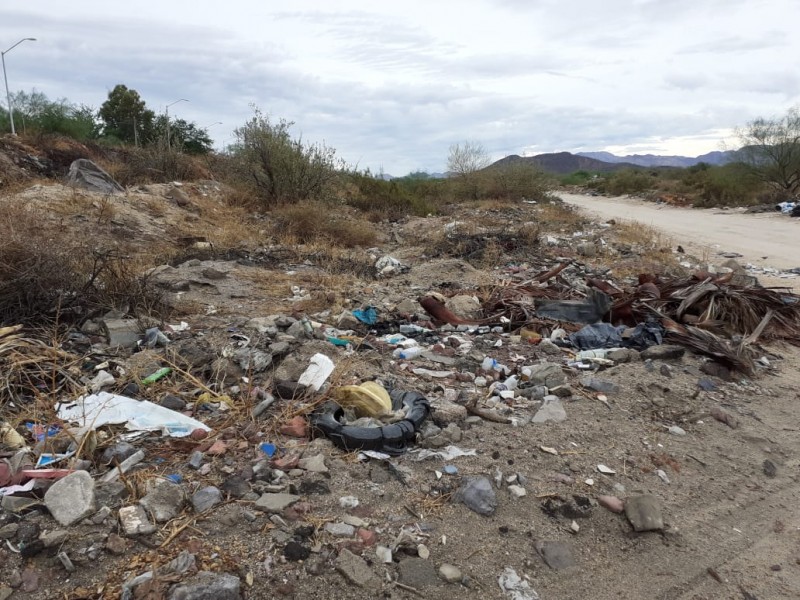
[
  {"x": 125, "y": 116},
  {"x": 184, "y": 135},
  {"x": 37, "y": 114},
  {"x": 771, "y": 147}
]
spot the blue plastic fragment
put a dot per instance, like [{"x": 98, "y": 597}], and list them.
[
  {"x": 268, "y": 449},
  {"x": 450, "y": 469},
  {"x": 338, "y": 342},
  {"x": 175, "y": 478},
  {"x": 368, "y": 316}
]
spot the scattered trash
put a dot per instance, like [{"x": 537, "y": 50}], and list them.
[
  {"x": 516, "y": 588},
  {"x": 9, "y": 436},
  {"x": 317, "y": 373},
  {"x": 369, "y": 315},
  {"x": 160, "y": 374},
  {"x": 369, "y": 399},
  {"x": 392, "y": 439},
  {"x": 97, "y": 410}
]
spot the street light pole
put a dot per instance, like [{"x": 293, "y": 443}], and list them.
[
  {"x": 166, "y": 111},
  {"x": 5, "y": 78}
]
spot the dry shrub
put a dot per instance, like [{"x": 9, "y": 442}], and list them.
[
  {"x": 306, "y": 222},
  {"x": 486, "y": 246},
  {"x": 154, "y": 164},
  {"x": 46, "y": 273}
]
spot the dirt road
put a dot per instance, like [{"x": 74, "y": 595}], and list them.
[{"x": 766, "y": 240}]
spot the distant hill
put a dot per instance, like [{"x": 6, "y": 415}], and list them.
[
  {"x": 653, "y": 160},
  {"x": 562, "y": 163}
]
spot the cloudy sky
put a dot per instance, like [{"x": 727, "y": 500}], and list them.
[{"x": 392, "y": 85}]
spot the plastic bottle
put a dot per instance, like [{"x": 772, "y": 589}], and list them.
[
  {"x": 488, "y": 364},
  {"x": 412, "y": 328},
  {"x": 511, "y": 382},
  {"x": 408, "y": 353}
]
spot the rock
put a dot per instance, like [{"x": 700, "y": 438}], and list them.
[
  {"x": 85, "y": 174},
  {"x": 450, "y": 573},
  {"x": 340, "y": 529},
  {"x": 28, "y": 531},
  {"x": 236, "y": 486},
  {"x": 446, "y": 412},
  {"x": 218, "y": 448},
  {"x": 213, "y": 274},
  {"x": 134, "y": 521},
  {"x": 295, "y": 427},
  {"x": 7, "y": 532},
  {"x": 623, "y": 355},
  {"x": 118, "y": 453},
  {"x": 206, "y": 498},
  {"x": 356, "y": 570},
  {"x": 517, "y": 491},
  {"x": 72, "y": 498},
  {"x": 208, "y": 586},
  {"x": 551, "y": 410},
  {"x": 116, "y": 544},
  {"x": 173, "y": 402},
  {"x": 275, "y": 503},
  {"x": 315, "y": 464},
  {"x": 549, "y": 348},
  {"x": 196, "y": 458},
  {"x": 663, "y": 352},
  {"x": 547, "y": 374},
  {"x": 770, "y": 470},
  {"x": 716, "y": 370},
  {"x": 599, "y": 385},
  {"x": 612, "y": 503},
  {"x": 466, "y": 307},
  {"x": 367, "y": 537},
  {"x": 30, "y": 580},
  {"x": 417, "y": 573},
  {"x": 122, "y": 333},
  {"x": 179, "y": 196},
  {"x": 165, "y": 501},
  {"x": 557, "y": 555},
  {"x": 5, "y": 592},
  {"x": 478, "y": 495},
  {"x": 644, "y": 513},
  {"x": 54, "y": 538}
]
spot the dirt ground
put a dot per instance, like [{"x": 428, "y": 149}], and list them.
[
  {"x": 765, "y": 240},
  {"x": 732, "y": 528}
]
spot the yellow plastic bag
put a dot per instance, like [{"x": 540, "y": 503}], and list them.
[{"x": 369, "y": 399}]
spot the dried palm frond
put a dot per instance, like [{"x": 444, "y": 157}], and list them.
[{"x": 737, "y": 357}]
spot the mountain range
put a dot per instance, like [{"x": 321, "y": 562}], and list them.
[{"x": 716, "y": 157}]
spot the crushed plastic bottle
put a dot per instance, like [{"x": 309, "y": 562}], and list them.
[{"x": 408, "y": 353}]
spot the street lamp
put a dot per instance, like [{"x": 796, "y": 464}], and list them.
[
  {"x": 5, "y": 78},
  {"x": 166, "y": 110}
]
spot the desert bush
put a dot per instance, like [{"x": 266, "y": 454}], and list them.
[
  {"x": 389, "y": 200},
  {"x": 625, "y": 181},
  {"x": 278, "y": 168},
  {"x": 155, "y": 164},
  {"x": 514, "y": 181},
  {"x": 734, "y": 184},
  {"x": 306, "y": 222},
  {"x": 48, "y": 274},
  {"x": 577, "y": 178}
]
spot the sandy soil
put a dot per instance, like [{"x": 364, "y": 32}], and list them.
[{"x": 764, "y": 240}]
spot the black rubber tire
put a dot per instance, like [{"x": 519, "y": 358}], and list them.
[{"x": 391, "y": 439}]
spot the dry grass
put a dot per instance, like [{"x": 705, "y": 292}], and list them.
[
  {"x": 318, "y": 222},
  {"x": 651, "y": 248}
]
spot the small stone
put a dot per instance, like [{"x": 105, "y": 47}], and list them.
[
  {"x": 71, "y": 499},
  {"x": 417, "y": 573},
  {"x": 557, "y": 555},
  {"x": 315, "y": 464},
  {"x": 356, "y": 570},
  {"x": 117, "y": 453},
  {"x": 165, "y": 501},
  {"x": 295, "y": 427},
  {"x": 275, "y": 503},
  {"x": 367, "y": 536},
  {"x": 547, "y": 374},
  {"x": 423, "y": 552},
  {"x": 666, "y": 371},
  {"x": 517, "y": 491},
  {"x": 551, "y": 410},
  {"x": 54, "y": 538},
  {"x": 644, "y": 513},
  {"x": 173, "y": 402},
  {"x": 206, "y": 498},
  {"x": 340, "y": 529},
  {"x": 612, "y": 503},
  {"x": 675, "y": 430},
  {"x": 198, "y": 434},
  {"x": 236, "y": 486},
  {"x": 218, "y": 448},
  {"x": 662, "y": 475},
  {"x": 116, "y": 544},
  {"x": 348, "y": 502},
  {"x": 478, "y": 495},
  {"x": 8, "y": 532},
  {"x": 208, "y": 586},
  {"x": 599, "y": 385},
  {"x": 450, "y": 573},
  {"x": 770, "y": 470},
  {"x": 134, "y": 521},
  {"x": 101, "y": 515}
]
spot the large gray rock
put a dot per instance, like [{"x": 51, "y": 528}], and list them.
[
  {"x": 85, "y": 174},
  {"x": 206, "y": 498},
  {"x": 123, "y": 333},
  {"x": 557, "y": 555},
  {"x": 466, "y": 307},
  {"x": 208, "y": 586},
  {"x": 165, "y": 501},
  {"x": 663, "y": 352},
  {"x": 478, "y": 495},
  {"x": 72, "y": 498}
]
